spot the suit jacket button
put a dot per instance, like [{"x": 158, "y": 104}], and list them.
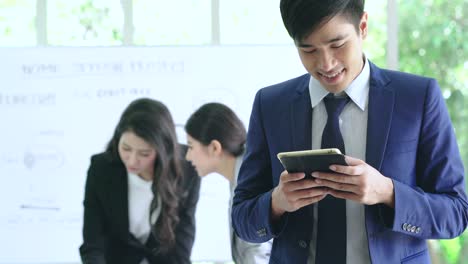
[
  {"x": 413, "y": 229},
  {"x": 405, "y": 226},
  {"x": 302, "y": 243},
  {"x": 408, "y": 227},
  {"x": 261, "y": 232},
  {"x": 418, "y": 230}
]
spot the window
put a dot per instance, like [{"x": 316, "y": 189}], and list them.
[
  {"x": 176, "y": 22},
  {"x": 84, "y": 23},
  {"x": 17, "y": 25},
  {"x": 252, "y": 22}
]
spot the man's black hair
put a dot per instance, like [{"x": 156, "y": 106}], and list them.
[{"x": 302, "y": 17}]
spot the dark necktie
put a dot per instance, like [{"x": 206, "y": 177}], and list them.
[{"x": 331, "y": 228}]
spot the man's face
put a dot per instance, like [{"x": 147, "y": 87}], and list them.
[{"x": 332, "y": 53}]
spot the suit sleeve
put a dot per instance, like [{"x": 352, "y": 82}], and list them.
[
  {"x": 92, "y": 251},
  {"x": 251, "y": 208},
  {"x": 185, "y": 233},
  {"x": 436, "y": 208}
]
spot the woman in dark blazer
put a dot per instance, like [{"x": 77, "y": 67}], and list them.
[{"x": 140, "y": 194}]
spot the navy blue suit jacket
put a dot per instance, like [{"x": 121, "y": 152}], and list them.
[{"x": 410, "y": 139}]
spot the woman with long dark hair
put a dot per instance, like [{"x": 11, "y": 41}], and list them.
[
  {"x": 140, "y": 194},
  {"x": 216, "y": 139}
]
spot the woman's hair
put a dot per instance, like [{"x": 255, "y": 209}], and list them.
[
  {"x": 151, "y": 120},
  {"x": 216, "y": 121}
]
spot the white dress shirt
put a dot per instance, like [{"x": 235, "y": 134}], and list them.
[
  {"x": 140, "y": 196},
  {"x": 353, "y": 126}
]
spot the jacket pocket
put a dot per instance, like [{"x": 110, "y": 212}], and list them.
[{"x": 418, "y": 258}]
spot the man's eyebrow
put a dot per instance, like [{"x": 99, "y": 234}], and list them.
[
  {"x": 303, "y": 45},
  {"x": 335, "y": 39}
]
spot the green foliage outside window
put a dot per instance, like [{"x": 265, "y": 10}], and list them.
[
  {"x": 84, "y": 23},
  {"x": 376, "y": 42},
  {"x": 433, "y": 42},
  {"x": 17, "y": 23}
]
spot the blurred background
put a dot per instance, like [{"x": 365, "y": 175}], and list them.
[{"x": 426, "y": 37}]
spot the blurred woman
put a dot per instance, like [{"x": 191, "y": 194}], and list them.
[
  {"x": 140, "y": 195},
  {"x": 216, "y": 139}
]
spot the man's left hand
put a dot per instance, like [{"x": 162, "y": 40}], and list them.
[{"x": 359, "y": 182}]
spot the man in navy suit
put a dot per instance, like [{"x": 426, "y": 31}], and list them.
[{"x": 404, "y": 182}]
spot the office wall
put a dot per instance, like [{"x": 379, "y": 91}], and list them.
[{"x": 58, "y": 106}]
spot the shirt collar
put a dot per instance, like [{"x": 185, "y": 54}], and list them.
[{"x": 358, "y": 90}]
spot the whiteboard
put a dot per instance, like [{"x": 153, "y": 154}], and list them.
[{"x": 58, "y": 106}]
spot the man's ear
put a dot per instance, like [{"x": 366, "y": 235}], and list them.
[
  {"x": 215, "y": 147},
  {"x": 363, "y": 25}
]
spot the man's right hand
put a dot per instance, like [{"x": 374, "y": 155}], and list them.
[{"x": 294, "y": 192}]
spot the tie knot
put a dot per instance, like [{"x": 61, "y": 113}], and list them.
[{"x": 335, "y": 104}]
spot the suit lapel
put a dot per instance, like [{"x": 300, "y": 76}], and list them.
[
  {"x": 301, "y": 118},
  {"x": 118, "y": 197},
  {"x": 381, "y": 103},
  {"x": 301, "y": 139}
]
